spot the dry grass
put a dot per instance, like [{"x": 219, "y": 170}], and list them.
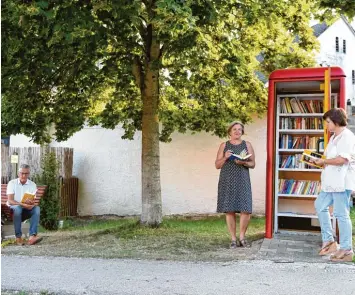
[
  {"x": 179, "y": 238},
  {"x": 204, "y": 239}
]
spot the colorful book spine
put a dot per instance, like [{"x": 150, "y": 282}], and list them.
[{"x": 299, "y": 187}]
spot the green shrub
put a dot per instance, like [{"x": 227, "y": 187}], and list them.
[{"x": 50, "y": 203}]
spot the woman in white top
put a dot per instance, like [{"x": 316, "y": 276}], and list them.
[{"x": 337, "y": 183}]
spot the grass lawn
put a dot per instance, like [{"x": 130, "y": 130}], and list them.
[{"x": 179, "y": 238}]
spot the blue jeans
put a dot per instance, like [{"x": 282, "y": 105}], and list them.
[
  {"x": 341, "y": 208},
  {"x": 21, "y": 214}
]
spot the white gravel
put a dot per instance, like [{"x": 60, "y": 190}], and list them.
[{"x": 98, "y": 276}]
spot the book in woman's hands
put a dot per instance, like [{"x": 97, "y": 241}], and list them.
[
  {"x": 308, "y": 156},
  {"x": 243, "y": 156},
  {"x": 28, "y": 196}
]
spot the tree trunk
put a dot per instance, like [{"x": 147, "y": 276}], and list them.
[{"x": 151, "y": 189}]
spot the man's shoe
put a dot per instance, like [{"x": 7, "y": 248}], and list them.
[
  {"x": 19, "y": 242},
  {"x": 34, "y": 240}
]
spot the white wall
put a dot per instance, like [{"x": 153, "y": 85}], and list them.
[
  {"x": 345, "y": 61},
  {"x": 109, "y": 170}
]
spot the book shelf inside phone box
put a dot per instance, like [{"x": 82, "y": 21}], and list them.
[{"x": 299, "y": 125}]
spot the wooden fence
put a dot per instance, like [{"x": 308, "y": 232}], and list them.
[
  {"x": 68, "y": 185},
  {"x": 69, "y": 196},
  {"x": 5, "y": 162},
  {"x": 5, "y": 179},
  {"x": 33, "y": 157}
]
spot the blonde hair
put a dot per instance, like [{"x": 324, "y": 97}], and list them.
[{"x": 231, "y": 125}]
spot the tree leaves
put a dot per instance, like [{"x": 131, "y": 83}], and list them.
[
  {"x": 346, "y": 7},
  {"x": 68, "y": 62}
]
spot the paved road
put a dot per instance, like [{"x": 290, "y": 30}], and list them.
[{"x": 97, "y": 276}]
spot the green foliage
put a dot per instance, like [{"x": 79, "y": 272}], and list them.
[
  {"x": 130, "y": 228},
  {"x": 331, "y": 7},
  {"x": 50, "y": 203},
  {"x": 183, "y": 64},
  {"x": 72, "y": 60}
]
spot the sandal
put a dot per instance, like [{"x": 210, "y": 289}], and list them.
[
  {"x": 233, "y": 245},
  {"x": 245, "y": 243},
  {"x": 346, "y": 256},
  {"x": 330, "y": 247}
]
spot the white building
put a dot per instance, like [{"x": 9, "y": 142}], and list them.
[
  {"x": 337, "y": 48},
  {"x": 109, "y": 168}
]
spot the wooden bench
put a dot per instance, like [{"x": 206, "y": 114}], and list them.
[{"x": 6, "y": 212}]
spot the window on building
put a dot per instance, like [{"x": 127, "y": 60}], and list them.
[
  {"x": 353, "y": 76},
  {"x": 336, "y": 44},
  {"x": 344, "y": 46}
]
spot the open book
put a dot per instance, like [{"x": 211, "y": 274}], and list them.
[
  {"x": 28, "y": 196},
  {"x": 243, "y": 156},
  {"x": 308, "y": 156}
]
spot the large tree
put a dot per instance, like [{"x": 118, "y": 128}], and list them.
[{"x": 152, "y": 65}]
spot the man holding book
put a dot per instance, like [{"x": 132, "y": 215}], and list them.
[{"x": 19, "y": 192}]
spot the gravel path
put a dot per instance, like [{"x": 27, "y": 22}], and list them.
[{"x": 114, "y": 276}]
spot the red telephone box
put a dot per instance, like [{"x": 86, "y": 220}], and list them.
[{"x": 294, "y": 123}]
